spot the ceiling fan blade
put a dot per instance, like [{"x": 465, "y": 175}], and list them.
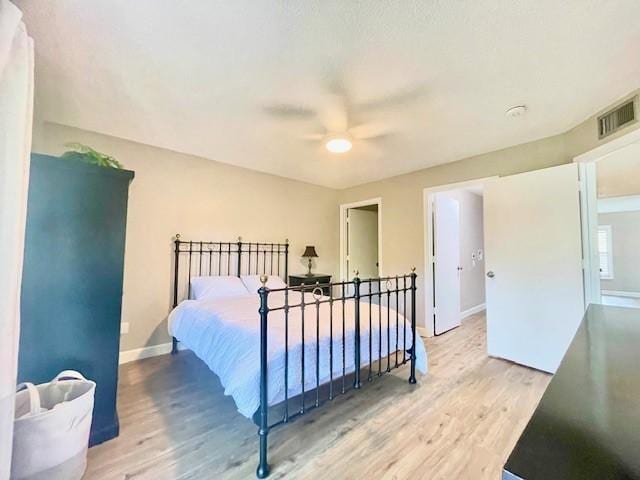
[
  {"x": 333, "y": 115},
  {"x": 400, "y": 98},
  {"x": 338, "y": 114},
  {"x": 367, "y": 131},
  {"x": 313, "y": 137},
  {"x": 290, "y": 112},
  {"x": 368, "y": 150}
]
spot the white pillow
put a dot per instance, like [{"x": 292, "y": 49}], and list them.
[
  {"x": 208, "y": 288},
  {"x": 252, "y": 282}
]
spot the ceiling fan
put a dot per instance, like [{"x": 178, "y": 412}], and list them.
[{"x": 341, "y": 121}]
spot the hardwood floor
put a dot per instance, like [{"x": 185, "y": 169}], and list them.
[{"x": 460, "y": 422}]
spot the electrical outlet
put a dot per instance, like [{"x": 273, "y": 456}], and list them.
[{"x": 124, "y": 328}]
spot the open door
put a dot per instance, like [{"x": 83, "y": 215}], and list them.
[
  {"x": 446, "y": 211},
  {"x": 362, "y": 241},
  {"x": 534, "y": 263}
]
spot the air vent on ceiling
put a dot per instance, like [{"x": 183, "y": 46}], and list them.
[{"x": 617, "y": 118}]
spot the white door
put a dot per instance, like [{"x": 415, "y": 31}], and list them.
[
  {"x": 446, "y": 211},
  {"x": 533, "y": 260},
  {"x": 362, "y": 243}
]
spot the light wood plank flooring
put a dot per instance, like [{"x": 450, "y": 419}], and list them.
[{"x": 460, "y": 422}]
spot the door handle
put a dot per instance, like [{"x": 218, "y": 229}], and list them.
[{"x": 490, "y": 274}]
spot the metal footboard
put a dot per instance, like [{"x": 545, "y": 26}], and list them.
[{"x": 396, "y": 294}]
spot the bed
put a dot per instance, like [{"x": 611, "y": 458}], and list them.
[{"x": 281, "y": 351}]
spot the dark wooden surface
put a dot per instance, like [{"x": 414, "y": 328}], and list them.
[
  {"x": 587, "y": 425},
  {"x": 72, "y": 279},
  {"x": 296, "y": 280}
]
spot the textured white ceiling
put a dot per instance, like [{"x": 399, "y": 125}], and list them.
[
  {"x": 199, "y": 76},
  {"x": 618, "y": 174}
]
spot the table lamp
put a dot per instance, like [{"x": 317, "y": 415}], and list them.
[{"x": 309, "y": 252}]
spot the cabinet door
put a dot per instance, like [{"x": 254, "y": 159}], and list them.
[{"x": 72, "y": 279}]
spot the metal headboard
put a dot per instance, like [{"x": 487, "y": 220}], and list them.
[{"x": 199, "y": 258}]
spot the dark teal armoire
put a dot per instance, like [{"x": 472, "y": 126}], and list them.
[{"x": 72, "y": 278}]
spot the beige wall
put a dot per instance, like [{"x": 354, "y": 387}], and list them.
[
  {"x": 200, "y": 199},
  {"x": 402, "y": 204},
  {"x": 402, "y": 199},
  {"x": 625, "y": 239},
  {"x": 584, "y": 136},
  {"x": 472, "y": 276}
]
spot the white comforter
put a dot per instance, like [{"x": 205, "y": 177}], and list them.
[{"x": 225, "y": 334}]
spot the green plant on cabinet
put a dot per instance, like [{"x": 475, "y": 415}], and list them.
[{"x": 84, "y": 153}]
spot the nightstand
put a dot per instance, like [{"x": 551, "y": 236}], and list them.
[{"x": 297, "y": 280}]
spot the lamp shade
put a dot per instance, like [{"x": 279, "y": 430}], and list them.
[{"x": 310, "y": 251}]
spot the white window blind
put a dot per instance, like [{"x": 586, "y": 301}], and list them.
[{"x": 604, "y": 252}]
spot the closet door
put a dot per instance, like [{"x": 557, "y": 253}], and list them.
[{"x": 534, "y": 264}]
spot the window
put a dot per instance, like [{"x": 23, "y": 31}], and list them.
[{"x": 604, "y": 252}]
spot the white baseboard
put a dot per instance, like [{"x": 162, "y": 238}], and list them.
[
  {"x": 127, "y": 356},
  {"x": 619, "y": 293},
  {"x": 472, "y": 311},
  {"x": 422, "y": 331}
]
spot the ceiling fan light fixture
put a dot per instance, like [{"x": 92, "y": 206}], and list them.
[{"x": 338, "y": 144}]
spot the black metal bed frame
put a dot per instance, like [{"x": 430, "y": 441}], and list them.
[{"x": 224, "y": 258}]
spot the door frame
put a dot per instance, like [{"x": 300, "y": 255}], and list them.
[
  {"x": 589, "y": 210},
  {"x": 428, "y": 194},
  {"x": 344, "y": 275}
]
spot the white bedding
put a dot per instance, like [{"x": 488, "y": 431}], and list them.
[{"x": 225, "y": 334}]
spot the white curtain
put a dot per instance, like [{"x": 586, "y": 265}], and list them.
[{"x": 16, "y": 114}]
